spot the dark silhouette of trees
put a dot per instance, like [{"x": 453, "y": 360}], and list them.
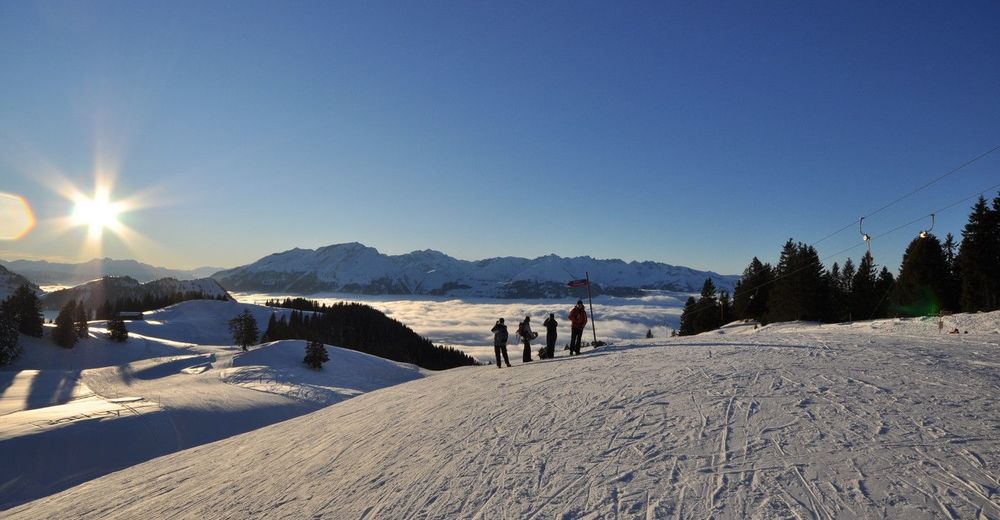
[
  {"x": 316, "y": 354},
  {"x": 752, "y": 291},
  {"x": 244, "y": 329},
  {"x": 25, "y": 310},
  {"x": 359, "y": 327},
  {"x": 979, "y": 258},
  {"x": 65, "y": 334},
  {"x": 923, "y": 278},
  {"x": 117, "y": 331},
  {"x": 9, "y": 346}
]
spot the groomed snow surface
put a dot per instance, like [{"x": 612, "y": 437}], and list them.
[
  {"x": 884, "y": 419},
  {"x": 68, "y": 416}
]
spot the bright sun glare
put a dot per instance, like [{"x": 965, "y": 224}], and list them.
[{"x": 97, "y": 213}]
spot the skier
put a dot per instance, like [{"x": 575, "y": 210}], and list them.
[
  {"x": 524, "y": 330},
  {"x": 578, "y": 320},
  {"x": 500, "y": 341},
  {"x": 550, "y": 337}
]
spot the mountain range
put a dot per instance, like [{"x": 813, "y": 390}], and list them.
[
  {"x": 356, "y": 268},
  {"x": 42, "y": 272}
]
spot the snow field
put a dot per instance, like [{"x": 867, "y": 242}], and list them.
[
  {"x": 69, "y": 416},
  {"x": 880, "y": 419}
]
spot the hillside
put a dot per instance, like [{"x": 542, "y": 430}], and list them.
[
  {"x": 355, "y": 268},
  {"x": 69, "y": 416},
  {"x": 115, "y": 288},
  {"x": 10, "y": 281},
  {"x": 59, "y": 273},
  {"x": 879, "y": 419}
]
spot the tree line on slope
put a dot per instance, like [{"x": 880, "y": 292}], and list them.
[
  {"x": 934, "y": 277},
  {"x": 359, "y": 327}
]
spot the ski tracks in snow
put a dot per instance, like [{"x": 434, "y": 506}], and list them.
[{"x": 802, "y": 424}]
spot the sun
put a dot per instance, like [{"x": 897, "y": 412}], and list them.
[{"x": 97, "y": 213}]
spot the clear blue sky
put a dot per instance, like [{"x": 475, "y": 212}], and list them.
[{"x": 694, "y": 133}]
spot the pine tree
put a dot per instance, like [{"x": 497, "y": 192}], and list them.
[
  {"x": 649, "y": 333},
  {"x": 65, "y": 334},
  {"x": 244, "y": 329},
  {"x": 953, "y": 284},
  {"x": 844, "y": 290},
  {"x": 883, "y": 285},
  {"x": 708, "y": 316},
  {"x": 80, "y": 321},
  {"x": 117, "y": 331},
  {"x": 752, "y": 291},
  {"x": 923, "y": 277},
  {"x": 978, "y": 257},
  {"x": 687, "y": 327},
  {"x": 864, "y": 297},
  {"x": 9, "y": 347},
  {"x": 801, "y": 288},
  {"x": 316, "y": 354},
  {"x": 24, "y": 308}
]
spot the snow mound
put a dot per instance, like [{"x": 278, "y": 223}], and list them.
[
  {"x": 277, "y": 368},
  {"x": 203, "y": 322},
  {"x": 792, "y": 421}
]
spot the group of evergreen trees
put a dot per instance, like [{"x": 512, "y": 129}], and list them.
[
  {"x": 362, "y": 328},
  {"x": 71, "y": 324},
  {"x": 21, "y": 313},
  {"x": 710, "y": 311},
  {"x": 933, "y": 278},
  {"x": 149, "y": 302}
]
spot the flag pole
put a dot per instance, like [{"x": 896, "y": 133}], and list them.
[{"x": 591, "y": 300}]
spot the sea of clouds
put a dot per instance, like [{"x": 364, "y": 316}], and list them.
[{"x": 465, "y": 323}]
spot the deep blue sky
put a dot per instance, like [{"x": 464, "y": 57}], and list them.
[{"x": 694, "y": 133}]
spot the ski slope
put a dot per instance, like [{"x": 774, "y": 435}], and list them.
[
  {"x": 879, "y": 419},
  {"x": 68, "y": 416}
]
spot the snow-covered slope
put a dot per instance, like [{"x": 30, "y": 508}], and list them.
[
  {"x": 10, "y": 281},
  {"x": 69, "y": 416},
  {"x": 359, "y": 269},
  {"x": 54, "y": 273},
  {"x": 112, "y": 288},
  {"x": 885, "y": 419}
]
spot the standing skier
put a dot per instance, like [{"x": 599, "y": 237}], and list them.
[
  {"x": 578, "y": 320},
  {"x": 550, "y": 337},
  {"x": 500, "y": 341},
  {"x": 524, "y": 330}
]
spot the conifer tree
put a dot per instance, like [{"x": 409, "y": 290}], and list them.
[
  {"x": 923, "y": 278},
  {"x": 752, "y": 291},
  {"x": 883, "y": 285},
  {"x": 649, "y": 333},
  {"x": 117, "y": 331},
  {"x": 708, "y": 315},
  {"x": 978, "y": 257},
  {"x": 24, "y": 309},
  {"x": 800, "y": 290},
  {"x": 244, "y": 329},
  {"x": 316, "y": 354},
  {"x": 687, "y": 327},
  {"x": 80, "y": 321},
  {"x": 9, "y": 347},
  {"x": 953, "y": 284},
  {"x": 65, "y": 334},
  {"x": 864, "y": 297}
]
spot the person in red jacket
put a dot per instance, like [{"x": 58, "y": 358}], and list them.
[{"x": 578, "y": 320}]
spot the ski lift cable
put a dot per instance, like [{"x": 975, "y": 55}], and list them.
[
  {"x": 913, "y": 192},
  {"x": 855, "y": 246}
]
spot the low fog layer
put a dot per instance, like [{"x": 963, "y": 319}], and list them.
[{"x": 467, "y": 322}]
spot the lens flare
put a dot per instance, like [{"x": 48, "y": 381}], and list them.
[{"x": 16, "y": 217}]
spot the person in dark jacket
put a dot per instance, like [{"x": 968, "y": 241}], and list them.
[
  {"x": 524, "y": 330},
  {"x": 500, "y": 341},
  {"x": 578, "y": 320},
  {"x": 550, "y": 337}
]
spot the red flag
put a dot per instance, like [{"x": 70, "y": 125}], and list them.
[{"x": 577, "y": 283}]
